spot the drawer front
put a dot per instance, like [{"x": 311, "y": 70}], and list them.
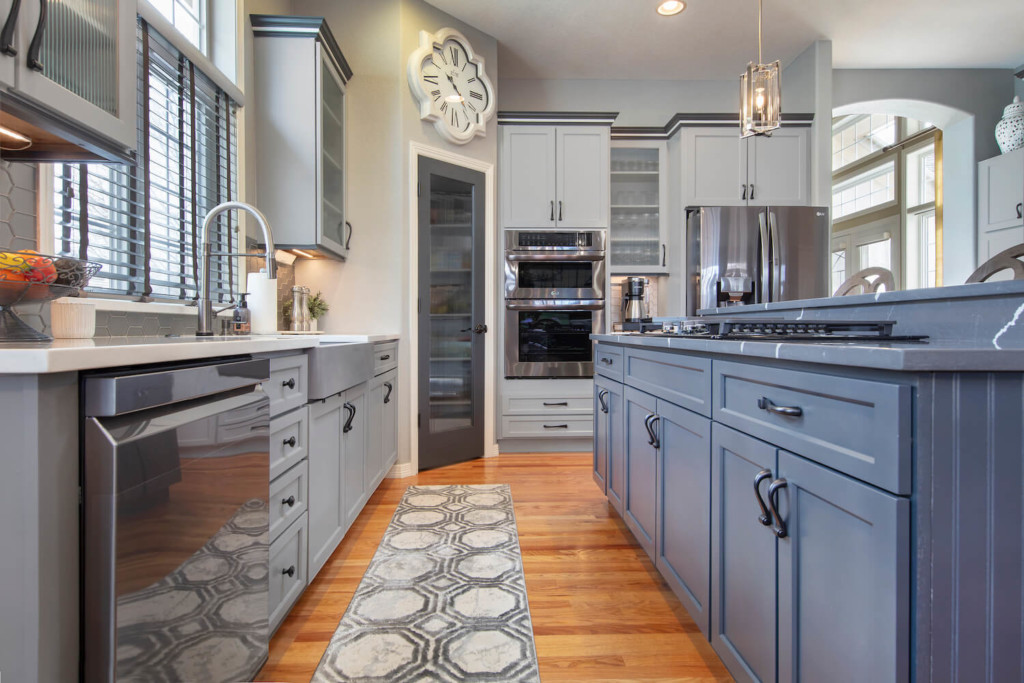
[
  {"x": 858, "y": 427},
  {"x": 385, "y": 357},
  {"x": 554, "y": 426},
  {"x": 287, "y": 387},
  {"x": 608, "y": 361},
  {"x": 288, "y": 496},
  {"x": 289, "y": 440},
  {"x": 546, "y": 405},
  {"x": 287, "y": 570},
  {"x": 677, "y": 378}
]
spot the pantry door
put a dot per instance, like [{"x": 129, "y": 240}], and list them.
[{"x": 451, "y": 313}]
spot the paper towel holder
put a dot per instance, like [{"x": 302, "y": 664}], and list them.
[{"x": 206, "y": 313}]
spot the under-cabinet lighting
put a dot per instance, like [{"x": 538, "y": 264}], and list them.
[
  {"x": 17, "y": 137},
  {"x": 303, "y": 253},
  {"x": 671, "y": 7}
]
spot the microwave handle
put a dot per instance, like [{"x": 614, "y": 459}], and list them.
[{"x": 552, "y": 305}]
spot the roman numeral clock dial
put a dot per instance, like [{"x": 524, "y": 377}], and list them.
[{"x": 449, "y": 84}]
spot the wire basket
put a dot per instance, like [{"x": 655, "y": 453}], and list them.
[{"x": 27, "y": 277}]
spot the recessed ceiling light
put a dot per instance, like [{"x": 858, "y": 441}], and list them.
[{"x": 671, "y": 7}]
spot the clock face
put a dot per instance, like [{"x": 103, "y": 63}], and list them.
[{"x": 451, "y": 85}]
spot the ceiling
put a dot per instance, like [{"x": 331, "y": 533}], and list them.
[{"x": 714, "y": 39}]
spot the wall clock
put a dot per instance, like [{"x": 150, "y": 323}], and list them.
[{"x": 448, "y": 81}]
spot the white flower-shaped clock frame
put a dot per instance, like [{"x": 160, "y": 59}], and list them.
[{"x": 447, "y": 79}]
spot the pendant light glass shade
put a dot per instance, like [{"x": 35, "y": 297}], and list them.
[{"x": 760, "y": 99}]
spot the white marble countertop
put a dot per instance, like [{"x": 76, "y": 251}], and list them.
[{"x": 72, "y": 355}]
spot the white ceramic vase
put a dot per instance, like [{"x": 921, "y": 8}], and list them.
[{"x": 1010, "y": 129}]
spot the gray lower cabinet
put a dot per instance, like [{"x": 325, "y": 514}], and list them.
[
  {"x": 389, "y": 423},
  {"x": 682, "y": 547},
  {"x": 639, "y": 505},
  {"x": 354, "y": 435},
  {"x": 831, "y": 568},
  {"x": 609, "y": 446},
  {"x": 326, "y": 474},
  {"x": 288, "y": 570}
]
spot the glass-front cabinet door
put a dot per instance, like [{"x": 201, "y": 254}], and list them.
[
  {"x": 637, "y": 239},
  {"x": 332, "y": 156}
]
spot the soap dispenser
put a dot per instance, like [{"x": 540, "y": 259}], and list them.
[{"x": 241, "y": 320}]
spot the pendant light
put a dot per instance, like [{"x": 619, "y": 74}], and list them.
[{"x": 760, "y": 93}]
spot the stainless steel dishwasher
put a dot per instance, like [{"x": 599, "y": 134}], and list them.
[{"x": 175, "y": 477}]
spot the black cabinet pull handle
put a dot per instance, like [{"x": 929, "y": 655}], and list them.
[
  {"x": 7, "y": 34},
  {"x": 552, "y": 209},
  {"x": 290, "y": 572},
  {"x": 601, "y": 399},
  {"x": 655, "y": 441},
  {"x": 387, "y": 396},
  {"x": 290, "y": 383},
  {"x": 351, "y": 409},
  {"x": 559, "y": 209},
  {"x": 744, "y": 191},
  {"x": 557, "y": 403},
  {"x": 607, "y": 361},
  {"x": 386, "y": 356},
  {"x": 779, "y": 529},
  {"x": 348, "y": 240},
  {"x": 751, "y": 190},
  {"x": 789, "y": 411},
  {"x": 556, "y": 426},
  {"x": 289, "y": 501},
  {"x": 766, "y": 517},
  {"x": 37, "y": 40},
  {"x": 663, "y": 255},
  {"x": 290, "y": 442},
  {"x": 480, "y": 329},
  {"x": 1020, "y": 205}
]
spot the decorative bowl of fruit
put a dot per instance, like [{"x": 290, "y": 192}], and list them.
[{"x": 29, "y": 277}]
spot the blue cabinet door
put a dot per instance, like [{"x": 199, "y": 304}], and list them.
[
  {"x": 616, "y": 444},
  {"x": 640, "y": 504},
  {"x": 844, "y": 578},
  {"x": 601, "y": 411},
  {"x": 683, "y": 548},
  {"x": 743, "y": 554}
]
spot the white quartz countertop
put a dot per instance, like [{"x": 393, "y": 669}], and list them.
[{"x": 72, "y": 355}]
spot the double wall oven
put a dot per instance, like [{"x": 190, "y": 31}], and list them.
[{"x": 554, "y": 301}]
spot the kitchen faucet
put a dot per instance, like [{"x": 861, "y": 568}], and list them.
[{"x": 206, "y": 313}]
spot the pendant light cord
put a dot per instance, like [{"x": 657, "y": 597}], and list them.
[{"x": 760, "y": 61}]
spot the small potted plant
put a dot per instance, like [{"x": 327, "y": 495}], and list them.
[{"x": 317, "y": 307}]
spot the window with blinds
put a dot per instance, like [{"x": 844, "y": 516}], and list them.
[{"x": 144, "y": 222}]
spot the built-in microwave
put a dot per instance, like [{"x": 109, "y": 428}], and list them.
[
  {"x": 554, "y": 264},
  {"x": 551, "y": 337}
]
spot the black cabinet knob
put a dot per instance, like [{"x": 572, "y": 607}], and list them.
[
  {"x": 289, "y": 572},
  {"x": 289, "y": 501},
  {"x": 290, "y": 442},
  {"x": 290, "y": 383}
]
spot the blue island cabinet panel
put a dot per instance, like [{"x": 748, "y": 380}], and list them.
[
  {"x": 640, "y": 504},
  {"x": 609, "y": 445},
  {"x": 683, "y": 549},
  {"x": 601, "y": 411},
  {"x": 844, "y": 578},
  {"x": 743, "y": 554}
]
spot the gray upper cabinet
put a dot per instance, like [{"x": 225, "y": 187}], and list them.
[
  {"x": 640, "y": 503},
  {"x": 300, "y": 79},
  {"x": 682, "y": 550},
  {"x": 554, "y": 177},
  {"x": 743, "y": 551},
  {"x": 73, "y": 75},
  {"x": 850, "y": 542},
  {"x": 722, "y": 169}
]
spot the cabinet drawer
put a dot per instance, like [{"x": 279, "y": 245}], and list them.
[
  {"x": 608, "y": 361},
  {"x": 289, "y": 440},
  {"x": 287, "y": 386},
  {"x": 675, "y": 377},
  {"x": 859, "y": 427},
  {"x": 546, "y": 405},
  {"x": 553, "y": 426},
  {"x": 288, "y": 495},
  {"x": 287, "y": 570},
  {"x": 385, "y": 357}
]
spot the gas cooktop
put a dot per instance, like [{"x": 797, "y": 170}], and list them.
[{"x": 778, "y": 330}]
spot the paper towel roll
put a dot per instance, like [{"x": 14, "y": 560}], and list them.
[{"x": 263, "y": 303}]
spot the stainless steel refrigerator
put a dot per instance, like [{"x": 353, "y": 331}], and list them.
[{"x": 755, "y": 254}]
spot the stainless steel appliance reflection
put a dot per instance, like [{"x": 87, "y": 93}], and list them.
[
  {"x": 554, "y": 265},
  {"x": 551, "y": 338},
  {"x": 176, "y": 557}
]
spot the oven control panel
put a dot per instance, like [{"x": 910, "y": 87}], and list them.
[{"x": 555, "y": 239}]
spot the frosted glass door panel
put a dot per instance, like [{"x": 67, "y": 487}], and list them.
[
  {"x": 332, "y": 154},
  {"x": 636, "y": 208}
]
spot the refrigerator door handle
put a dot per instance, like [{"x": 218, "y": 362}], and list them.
[
  {"x": 765, "y": 294},
  {"x": 773, "y": 227}
]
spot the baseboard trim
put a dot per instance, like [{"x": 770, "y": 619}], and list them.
[{"x": 401, "y": 470}]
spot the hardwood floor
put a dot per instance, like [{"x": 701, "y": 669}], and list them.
[{"x": 600, "y": 610}]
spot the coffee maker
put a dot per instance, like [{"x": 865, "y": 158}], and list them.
[{"x": 635, "y": 302}]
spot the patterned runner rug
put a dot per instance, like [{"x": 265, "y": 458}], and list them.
[{"x": 444, "y": 598}]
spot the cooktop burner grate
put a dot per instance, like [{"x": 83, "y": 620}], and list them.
[{"x": 775, "y": 329}]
